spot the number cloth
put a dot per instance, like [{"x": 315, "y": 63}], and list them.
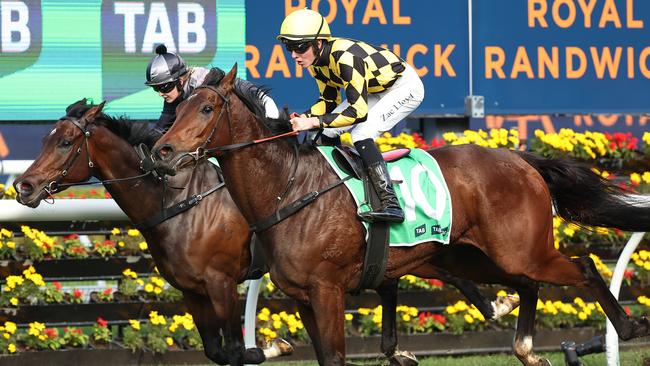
[{"x": 422, "y": 193}]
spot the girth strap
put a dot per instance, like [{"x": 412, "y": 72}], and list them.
[
  {"x": 258, "y": 266},
  {"x": 176, "y": 209}
]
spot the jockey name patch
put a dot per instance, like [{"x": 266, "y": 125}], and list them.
[{"x": 421, "y": 191}]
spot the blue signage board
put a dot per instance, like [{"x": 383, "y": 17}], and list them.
[
  {"x": 562, "y": 57},
  {"x": 430, "y": 35}
]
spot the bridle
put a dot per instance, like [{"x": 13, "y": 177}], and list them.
[{"x": 55, "y": 185}]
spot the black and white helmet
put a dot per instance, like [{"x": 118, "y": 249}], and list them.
[{"x": 165, "y": 67}]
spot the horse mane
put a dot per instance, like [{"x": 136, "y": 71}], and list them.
[
  {"x": 253, "y": 98},
  {"x": 134, "y": 132}
]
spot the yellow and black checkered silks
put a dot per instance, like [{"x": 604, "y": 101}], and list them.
[{"x": 357, "y": 67}]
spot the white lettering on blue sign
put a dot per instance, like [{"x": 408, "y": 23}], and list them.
[
  {"x": 192, "y": 37},
  {"x": 15, "y": 34}
]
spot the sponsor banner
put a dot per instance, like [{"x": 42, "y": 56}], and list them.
[
  {"x": 55, "y": 52},
  {"x": 430, "y": 35},
  {"x": 562, "y": 57}
]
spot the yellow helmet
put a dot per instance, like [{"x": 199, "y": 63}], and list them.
[{"x": 304, "y": 25}]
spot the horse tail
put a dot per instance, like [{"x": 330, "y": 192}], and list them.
[{"x": 584, "y": 197}]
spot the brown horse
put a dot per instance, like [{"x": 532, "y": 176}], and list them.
[
  {"x": 204, "y": 252},
  {"x": 502, "y": 217},
  {"x": 203, "y": 259}
]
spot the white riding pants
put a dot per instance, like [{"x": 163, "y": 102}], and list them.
[{"x": 385, "y": 109}]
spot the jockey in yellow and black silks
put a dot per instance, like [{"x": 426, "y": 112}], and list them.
[{"x": 380, "y": 88}]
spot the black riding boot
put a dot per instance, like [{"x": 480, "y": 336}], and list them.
[{"x": 389, "y": 210}]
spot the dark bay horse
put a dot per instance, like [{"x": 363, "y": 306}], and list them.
[
  {"x": 204, "y": 251},
  {"x": 502, "y": 228}
]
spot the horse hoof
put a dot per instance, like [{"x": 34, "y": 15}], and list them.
[
  {"x": 503, "y": 305},
  {"x": 403, "y": 358},
  {"x": 283, "y": 346}
]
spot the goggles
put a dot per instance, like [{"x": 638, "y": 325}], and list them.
[
  {"x": 164, "y": 88},
  {"x": 299, "y": 47}
]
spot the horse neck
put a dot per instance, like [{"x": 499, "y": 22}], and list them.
[
  {"x": 257, "y": 175},
  {"x": 114, "y": 158}
]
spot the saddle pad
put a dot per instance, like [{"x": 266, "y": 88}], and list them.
[{"x": 422, "y": 193}]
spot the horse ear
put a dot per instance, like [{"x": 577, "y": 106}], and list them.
[
  {"x": 93, "y": 112},
  {"x": 74, "y": 105},
  {"x": 229, "y": 80}
]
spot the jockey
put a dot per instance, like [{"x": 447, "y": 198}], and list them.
[
  {"x": 381, "y": 89},
  {"x": 170, "y": 77}
]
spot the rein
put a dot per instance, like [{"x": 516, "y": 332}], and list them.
[
  {"x": 201, "y": 152},
  {"x": 280, "y": 213}
]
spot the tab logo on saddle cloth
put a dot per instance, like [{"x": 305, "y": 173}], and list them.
[{"x": 422, "y": 193}]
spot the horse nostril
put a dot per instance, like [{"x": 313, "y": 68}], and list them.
[
  {"x": 165, "y": 151},
  {"x": 24, "y": 188}
]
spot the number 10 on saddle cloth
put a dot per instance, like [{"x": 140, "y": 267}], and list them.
[{"x": 422, "y": 193}]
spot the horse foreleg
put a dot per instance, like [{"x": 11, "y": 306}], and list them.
[
  {"x": 224, "y": 299},
  {"x": 208, "y": 326},
  {"x": 309, "y": 321},
  {"x": 387, "y": 291},
  {"x": 328, "y": 303},
  {"x": 523, "y": 342}
]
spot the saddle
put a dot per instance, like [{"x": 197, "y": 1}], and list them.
[
  {"x": 349, "y": 160},
  {"x": 376, "y": 256}
]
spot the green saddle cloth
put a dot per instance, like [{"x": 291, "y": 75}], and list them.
[{"x": 422, "y": 193}]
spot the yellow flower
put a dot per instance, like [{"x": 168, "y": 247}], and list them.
[
  {"x": 348, "y": 316},
  {"x": 135, "y": 324},
  {"x": 143, "y": 245},
  {"x": 11, "y": 348},
  {"x": 635, "y": 178},
  {"x": 468, "y": 318},
  {"x": 10, "y": 327},
  {"x": 121, "y": 244},
  {"x": 13, "y": 301},
  {"x": 582, "y": 316},
  {"x": 263, "y": 317},
  {"x": 169, "y": 341},
  {"x": 157, "y": 290},
  {"x": 406, "y": 318},
  {"x": 11, "y": 245},
  {"x": 132, "y": 232},
  {"x": 148, "y": 287},
  {"x": 363, "y": 311},
  {"x": 116, "y": 231}
]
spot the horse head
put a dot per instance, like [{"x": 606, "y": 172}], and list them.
[
  {"x": 64, "y": 157},
  {"x": 202, "y": 122}
]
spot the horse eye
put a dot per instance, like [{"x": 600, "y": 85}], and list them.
[
  {"x": 65, "y": 143},
  {"x": 207, "y": 109}
]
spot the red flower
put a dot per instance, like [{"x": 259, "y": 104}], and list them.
[
  {"x": 108, "y": 291},
  {"x": 51, "y": 332},
  {"x": 439, "y": 318},
  {"x": 93, "y": 192},
  {"x": 101, "y": 322},
  {"x": 57, "y": 285},
  {"x": 628, "y": 274},
  {"x": 627, "y": 309},
  {"x": 107, "y": 195},
  {"x": 71, "y": 237},
  {"x": 70, "y": 195},
  {"x": 435, "y": 282},
  {"x": 76, "y": 293}
]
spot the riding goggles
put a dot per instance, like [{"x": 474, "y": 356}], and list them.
[
  {"x": 299, "y": 47},
  {"x": 164, "y": 88}
]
